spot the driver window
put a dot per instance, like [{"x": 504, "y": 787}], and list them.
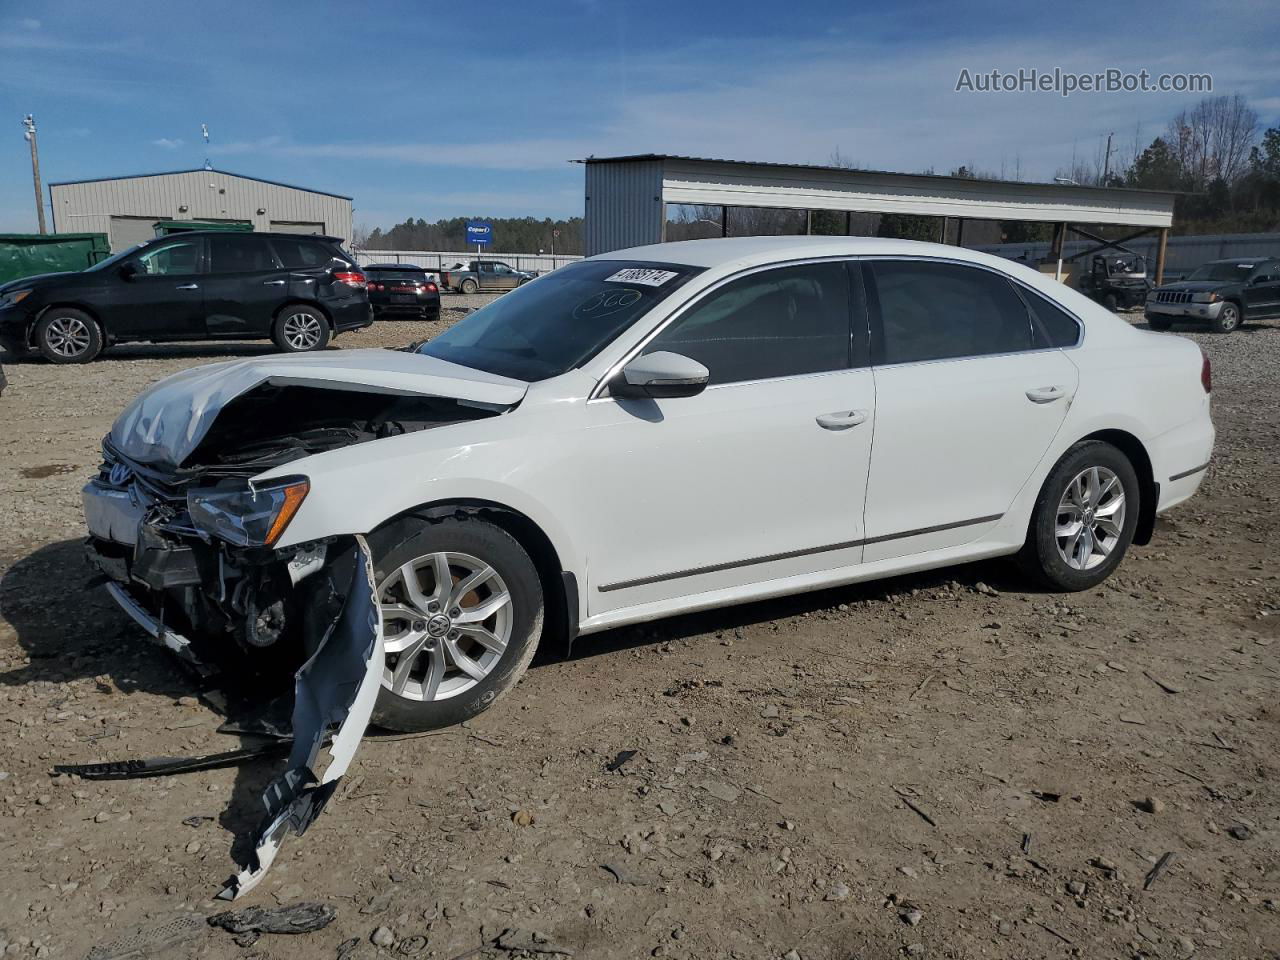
[
  {"x": 776, "y": 323},
  {"x": 172, "y": 259}
]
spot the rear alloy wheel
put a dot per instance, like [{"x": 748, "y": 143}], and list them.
[
  {"x": 65, "y": 335},
  {"x": 461, "y": 607},
  {"x": 469, "y": 286},
  {"x": 1228, "y": 319},
  {"x": 300, "y": 329},
  {"x": 1084, "y": 518}
]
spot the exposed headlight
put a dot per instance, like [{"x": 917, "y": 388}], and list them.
[
  {"x": 248, "y": 516},
  {"x": 13, "y": 296},
  {"x": 1205, "y": 298}
]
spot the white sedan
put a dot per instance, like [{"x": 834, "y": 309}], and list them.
[{"x": 645, "y": 433}]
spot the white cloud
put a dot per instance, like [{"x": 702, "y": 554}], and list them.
[{"x": 167, "y": 143}]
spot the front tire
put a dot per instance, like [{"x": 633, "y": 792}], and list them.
[
  {"x": 300, "y": 329},
  {"x": 65, "y": 335},
  {"x": 1159, "y": 323},
  {"x": 462, "y": 613},
  {"x": 1084, "y": 518},
  {"x": 1227, "y": 320}
]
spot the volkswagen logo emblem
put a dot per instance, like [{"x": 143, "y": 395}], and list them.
[{"x": 120, "y": 474}]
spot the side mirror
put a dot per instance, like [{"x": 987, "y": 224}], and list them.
[{"x": 660, "y": 375}]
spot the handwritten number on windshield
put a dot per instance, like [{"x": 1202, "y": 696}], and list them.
[{"x": 605, "y": 303}]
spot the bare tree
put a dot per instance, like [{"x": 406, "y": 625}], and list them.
[{"x": 1212, "y": 140}]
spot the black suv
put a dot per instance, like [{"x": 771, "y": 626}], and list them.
[
  {"x": 402, "y": 289},
  {"x": 201, "y": 285},
  {"x": 1222, "y": 293}
]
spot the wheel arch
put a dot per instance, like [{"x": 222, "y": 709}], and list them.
[
  {"x": 299, "y": 302},
  {"x": 559, "y": 585},
  {"x": 71, "y": 305},
  {"x": 1148, "y": 488}
]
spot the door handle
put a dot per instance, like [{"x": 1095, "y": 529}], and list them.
[
  {"x": 273, "y": 283},
  {"x": 841, "y": 419},
  {"x": 188, "y": 286},
  {"x": 1046, "y": 394}
]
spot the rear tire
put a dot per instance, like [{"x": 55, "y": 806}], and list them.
[
  {"x": 1110, "y": 302},
  {"x": 1093, "y": 489},
  {"x": 300, "y": 329},
  {"x": 457, "y": 671},
  {"x": 66, "y": 335},
  {"x": 1227, "y": 320},
  {"x": 469, "y": 286}
]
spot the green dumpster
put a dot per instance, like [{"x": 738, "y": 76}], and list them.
[
  {"x": 166, "y": 227},
  {"x": 27, "y": 254}
]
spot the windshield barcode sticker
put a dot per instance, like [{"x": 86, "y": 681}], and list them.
[{"x": 645, "y": 276}]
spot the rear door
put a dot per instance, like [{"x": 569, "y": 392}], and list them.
[
  {"x": 163, "y": 299},
  {"x": 244, "y": 287},
  {"x": 970, "y": 392}
]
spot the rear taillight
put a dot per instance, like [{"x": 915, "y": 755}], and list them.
[
  {"x": 444, "y": 277},
  {"x": 350, "y": 278},
  {"x": 375, "y": 286},
  {"x": 432, "y": 288},
  {"x": 1206, "y": 373}
]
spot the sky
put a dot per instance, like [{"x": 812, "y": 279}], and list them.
[{"x": 434, "y": 110}]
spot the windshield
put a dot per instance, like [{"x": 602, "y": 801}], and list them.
[
  {"x": 559, "y": 321},
  {"x": 114, "y": 258},
  {"x": 1222, "y": 271}
]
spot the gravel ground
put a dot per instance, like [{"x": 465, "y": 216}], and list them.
[{"x": 947, "y": 765}]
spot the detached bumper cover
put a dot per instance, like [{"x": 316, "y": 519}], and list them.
[{"x": 335, "y": 691}]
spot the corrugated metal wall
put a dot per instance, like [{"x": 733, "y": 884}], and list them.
[
  {"x": 623, "y": 205},
  {"x": 206, "y": 194},
  {"x": 1183, "y": 254},
  {"x": 439, "y": 259}
]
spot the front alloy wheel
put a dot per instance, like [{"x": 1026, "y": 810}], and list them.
[
  {"x": 446, "y": 621},
  {"x": 461, "y": 607}
]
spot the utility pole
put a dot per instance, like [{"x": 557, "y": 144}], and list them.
[
  {"x": 1106, "y": 162},
  {"x": 29, "y": 122}
]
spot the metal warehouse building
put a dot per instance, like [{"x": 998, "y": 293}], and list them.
[
  {"x": 126, "y": 208},
  {"x": 627, "y": 199}
]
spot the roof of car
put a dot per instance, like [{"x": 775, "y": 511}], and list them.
[
  {"x": 746, "y": 251},
  {"x": 1251, "y": 261},
  {"x": 246, "y": 233}
]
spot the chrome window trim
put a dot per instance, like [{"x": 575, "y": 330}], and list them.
[{"x": 597, "y": 392}]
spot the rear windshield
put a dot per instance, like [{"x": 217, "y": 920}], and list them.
[
  {"x": 559, "y": 321},
  {"x": 303, "y": 253},
  {"x": 383, "y": 273}
]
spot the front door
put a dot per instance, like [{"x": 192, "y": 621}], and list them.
[
  {"x": 1262, "y": 295},
  {"x": 968, "y": 399},
  {"x": 162, "y": 298},
  {"x": 759, "y": 477},
  {"x": 244, "y": 287}
]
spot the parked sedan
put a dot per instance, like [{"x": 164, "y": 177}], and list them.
[
  {"x": 200, "y": 285},
  {"x": 644, "y": 433},
  {"x": 402, "y": 290}
]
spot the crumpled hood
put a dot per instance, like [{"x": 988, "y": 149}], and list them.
[{"x": 166, "y": 422}]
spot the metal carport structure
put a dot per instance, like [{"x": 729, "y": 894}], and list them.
[{"x": 627, "y": 198}]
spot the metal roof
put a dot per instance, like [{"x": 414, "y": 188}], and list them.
[
  {"x": 638, "y": 157},
  {"x": 225, "y": 173}
]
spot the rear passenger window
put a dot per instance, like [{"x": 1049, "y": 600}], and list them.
[
  {"x": 232, "y": 254},
  {"x": 935, "y": 311},
  {"x": 776, "y": 323},
  {"x": 302, "y": 253},
  {"x": 1054, "y": 327}
]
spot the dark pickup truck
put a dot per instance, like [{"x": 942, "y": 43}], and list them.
[{"x": 1222, "y": 293}]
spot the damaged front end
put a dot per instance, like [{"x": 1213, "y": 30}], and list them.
[{"x": 187, "y": 544}]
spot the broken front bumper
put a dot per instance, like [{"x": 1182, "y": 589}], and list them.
[
  {"x": 1195, "y": 311},
  {"x": 334, "y": 690}
]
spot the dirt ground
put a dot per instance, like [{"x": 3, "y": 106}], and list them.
[{"x": 942, "y": 765}]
